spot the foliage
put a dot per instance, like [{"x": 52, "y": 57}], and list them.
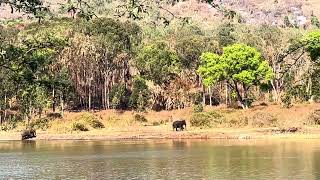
[
  {"x": 312, "y": 41},
  {"x": 91, "y": 120},
  {"x": 140, "y": 94},
  {"x": 156, "y": 62},
  {"x": 198, "y": 108},
  {"x": 118, "y": 96},
  {"x": 315, "y": 21},
  {"x": 226, "y": 34},
  {"x": 77, "y": 126},
  {"x": 206, "y": 119},
  {"x": 41, "y": 123},
  {"x": 139, "y": 118},
  {"x": 238, "y": 65}
]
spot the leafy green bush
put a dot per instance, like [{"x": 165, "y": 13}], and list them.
[
  {"x": 79, "y": 127},
  {"x": 205, "y": 119},
  {"x": 139, "y": 118},
  {"x": 41, "y": 123},
  {"x": 198, "y": 108},
  {"x": 92, "y": 120}
]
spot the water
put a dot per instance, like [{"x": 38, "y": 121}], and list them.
[{"x": 169, "y": 159}]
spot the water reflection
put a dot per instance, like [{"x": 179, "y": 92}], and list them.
[{"x": 174, "y": 159}]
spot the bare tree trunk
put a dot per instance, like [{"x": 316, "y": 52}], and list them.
[
  {"x": 5, "y": 107},
  {"x": 106, "y": 104},
  {"x": 53, "y": 100},
  {"x": 226, "y": 87},
  {"x": 61, "y": 105},
  {"x": 210, "y": 96},
  {"x": 204, "y": 95},
  {"x": 89, "y": 94}
]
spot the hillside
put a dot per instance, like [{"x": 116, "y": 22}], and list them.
[{"x": 250, "y": 11}]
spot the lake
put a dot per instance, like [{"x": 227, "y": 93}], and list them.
[{"x": 160, "y": 159}]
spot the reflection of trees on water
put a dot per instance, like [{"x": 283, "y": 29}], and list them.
[{"x": 175, "y": 158}]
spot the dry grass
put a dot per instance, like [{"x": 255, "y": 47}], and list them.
[
  {"x": 232, "y": 118},
  {"x": 235, "y": 123}
]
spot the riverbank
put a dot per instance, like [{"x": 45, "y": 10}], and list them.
[
  {"x": 253, "y": 133},
  {"x": 259, "y": 122}
]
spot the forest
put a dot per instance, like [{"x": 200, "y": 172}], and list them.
[{"x": 140, "y": 56}]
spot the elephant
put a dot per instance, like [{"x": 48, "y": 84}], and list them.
[
  {"x": 28, "y": 133},
  {"x": 179, "y": 124}
]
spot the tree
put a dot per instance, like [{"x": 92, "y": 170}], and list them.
[
  {"x": 158, "y": 63},
  {"x": 312, "y": 44},
  {"x": 240, "y": 66},
  {"x": 315, "y": 21},
  {"x": 226, "y": 34},
  {"x": 140, "y": 94}
]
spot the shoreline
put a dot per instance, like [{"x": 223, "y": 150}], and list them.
[{"x": 211, "y": 134}]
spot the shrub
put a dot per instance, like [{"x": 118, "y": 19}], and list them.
[
  {"x": 92, "y": 120},
  {"x": 139, "y": 118},
  {"x": 41, "y": 123},
  {"x": 263, "y": 120},
  {"x": 205, "y": 119},
  {"x": 156, "y": 123},
  {"x": 11, "y": 124},
  {"x": 79, "y": 127},
  {"x": 314, "y": 118},
  {"x": 286, "y": 100},
  {"x": 239, "y": 122},
  {"x": 54, "y": 116},
  {"x": 198, "y": 108}
]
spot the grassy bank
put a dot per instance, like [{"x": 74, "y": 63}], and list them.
[{"x": 261, "y": 121}]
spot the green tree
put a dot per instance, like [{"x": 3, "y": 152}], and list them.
[
  {"x": 226, "y": 34},
  {"x": 158, "y": 63},
  {"x": 315, "y": 21},
  {"x": 139, "y": 98},
  {"x": 240, "y": 66}
]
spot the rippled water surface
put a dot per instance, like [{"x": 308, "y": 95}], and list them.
[{"x": 170, "y": 159}]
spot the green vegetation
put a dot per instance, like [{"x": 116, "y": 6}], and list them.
[
  {"x": 91, "y": 120},
  {"x": 79, "y": 127},
  {"x": 140, "y": 118},
  {"x": 206, "y": 119},
  {"x": 146, "y": 59},
  {"x": 41, "y": 123}
]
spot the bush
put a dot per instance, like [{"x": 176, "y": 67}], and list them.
[
  {"x": 198, "y": 108},
  {"x": 205, "y": 119},
  {"x": 54, "y": 116},
  {"x": 139, "y": 118},
  {"x": 92, "y": 120},
  {"x": 263, "y": 120},
  {"x": 238, "y": 122},
  {"x": 79, "y": 127},
  {"x": 156, "y": 123},
  {"x": 11, "y": 124},
  {"x": 41, "y": 123},
  {"x": 286, "y": 101},
  {"x": 314, "y": 118}
]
